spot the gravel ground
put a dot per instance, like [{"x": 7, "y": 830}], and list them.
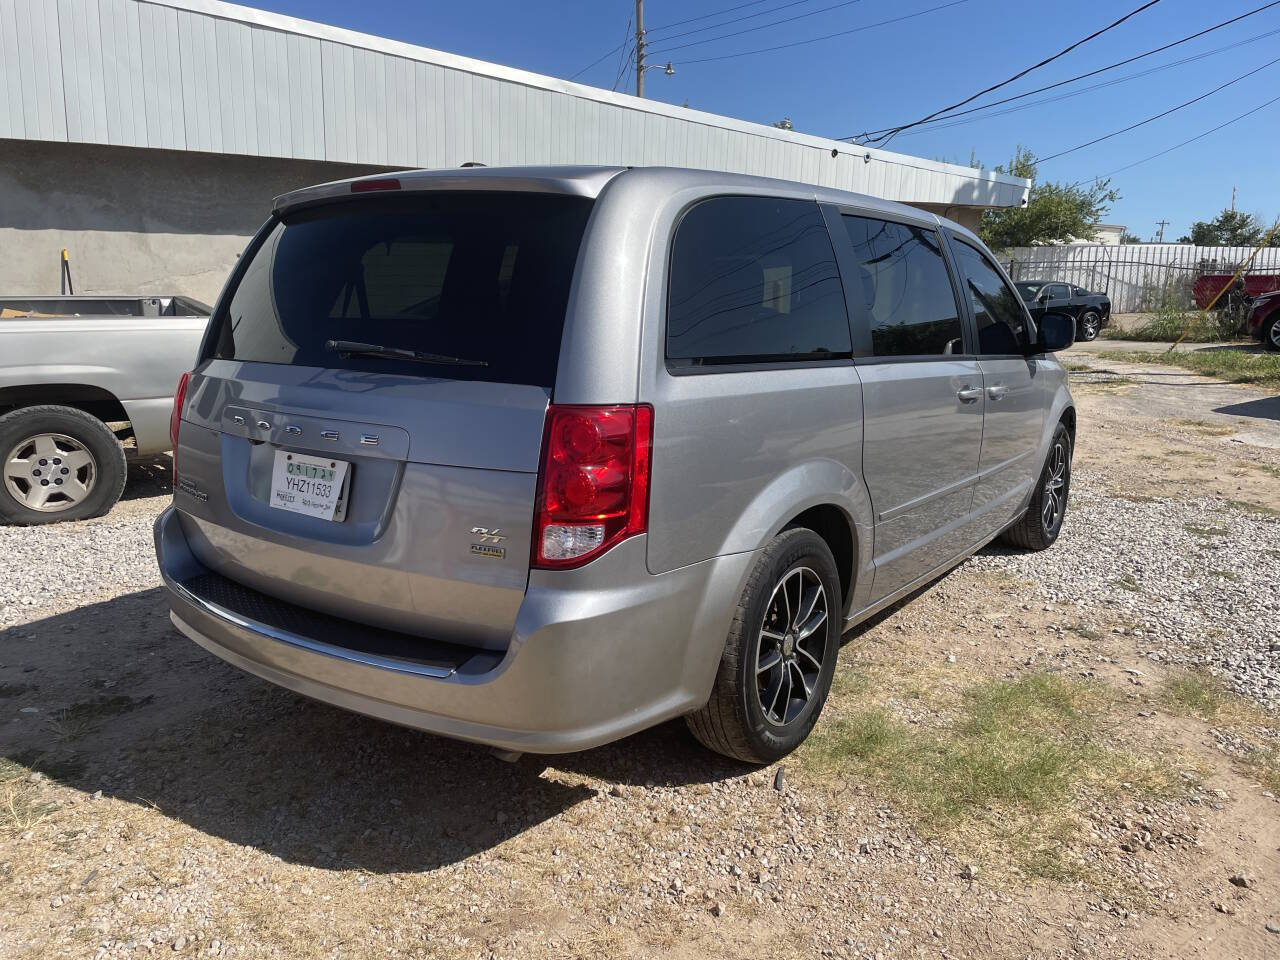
[
  {"x": 1196, "y": 579},
  {"x": 80, "y": 553}
]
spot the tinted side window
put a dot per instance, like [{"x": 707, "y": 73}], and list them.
[
  {"x": 1002, "y": 323},
  {"x": 1059, "y": 292},
  {"x": 754, "y": 279},
  {"x": 906, "y": 287}
]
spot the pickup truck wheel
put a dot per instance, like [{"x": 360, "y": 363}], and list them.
[
  {"x": 1039, "y": 527},
  {"x": 60, "y": 463},
  {"x": 1090, "y": 325},
  {"x": 780, "y": 654}
]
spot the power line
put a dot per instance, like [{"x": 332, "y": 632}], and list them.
[
  {"x": 624, "y": 61},
  {"x": 708, "y": 16},
  {"x": 1178, "y": 146},
  {"x": 1163, "y": 113},
  {"x": 741, "y": 6},
  {"x": 1017, "y": 76},
  {"x": 943, "y": 124},
  {"x": 1091, "y": 73},
  {"x": 726, "y": 23},
  {"x": 615, "y": 50},
  {"x": 738, "y": 33},
  {"x": 825, "y": 36}
]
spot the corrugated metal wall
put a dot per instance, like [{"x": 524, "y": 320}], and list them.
[
  {"x": 199, "y": 75},
  {"x": 1136, "y": 277}
]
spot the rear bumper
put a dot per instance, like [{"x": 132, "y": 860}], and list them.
[{"x": 596, "y": 654}]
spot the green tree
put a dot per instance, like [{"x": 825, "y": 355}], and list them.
[
  {"x": 1230, "y": 228},
  {"x": 1054, "y": 211},
  {"x": 1128, "y": 237}
]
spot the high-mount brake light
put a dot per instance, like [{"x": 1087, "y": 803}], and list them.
[
  {"x": 369, "y": 186},
  {"x": 593, "y": 488}
]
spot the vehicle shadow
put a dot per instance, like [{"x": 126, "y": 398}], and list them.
[
  {"x": 1264, "y": 408},
  {"x": 128, "y": 706},
  {"x": 149, "y": 477}
]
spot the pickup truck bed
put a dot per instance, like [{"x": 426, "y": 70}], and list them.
[{"x": 116, "y": 359}]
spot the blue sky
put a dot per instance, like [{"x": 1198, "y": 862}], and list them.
[{"x": 900, "y": 72}]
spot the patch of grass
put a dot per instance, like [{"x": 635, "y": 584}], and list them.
[
  {"x": 1209, "y": 429},
  {"x": 1257, "y": 508},
  {"x": 1194, "y": 693},
  {"x": 1074, "y": 366},
  {"x": 1225, "y": 575},
  {"x": 1207, "y": 533},
  {"x": 1235, "y": 366},
  {"x": 1088, "y": 633},
  {"x": 1266, "y": 468},
  {"x": 1198, "y": 694},
  {"x": 82, "y": 717},
  {"x": 1128, "y": 583},
  {"x": 1008, "y": 770}
]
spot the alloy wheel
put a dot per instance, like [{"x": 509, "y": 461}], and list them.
[
  {"x": 50, "y": 472},
  {"x": 1274, "y": 335},
  {"x": 1089, "y": 326},
  {"x": 792, "y": 646},
  {"x": 1055, "y": 488}
]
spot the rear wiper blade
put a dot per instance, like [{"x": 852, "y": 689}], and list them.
[{"x": 349, "y": 348}]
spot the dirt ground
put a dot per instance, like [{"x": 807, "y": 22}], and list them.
[{"x": 996, "y": 775}]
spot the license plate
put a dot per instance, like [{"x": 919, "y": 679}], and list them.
[{"x": 315, "y": 486}]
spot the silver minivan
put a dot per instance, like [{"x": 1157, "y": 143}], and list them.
[{"x": 541, "y": 457}]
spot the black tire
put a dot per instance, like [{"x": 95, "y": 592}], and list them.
[
  {"x": 736, "y": 721},
  {"x": 102, "y": 476},
  {"x": 1090, "y": 325},
  {"x": 1034, "y": 531},
  {"x": 1271, "y": 333}
]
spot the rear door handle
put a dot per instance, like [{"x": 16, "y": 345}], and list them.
[
  {"x": 997, "y": 393},
  {"x": 968, "y": 394}
]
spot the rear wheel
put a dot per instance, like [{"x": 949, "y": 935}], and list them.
[
  {"x": 780, "y": 654},
  {"x": 1271, "y": 334},
  {"x": 1040, "y": 525},
  {"x": 60, "y": 463},
  {"x": 1090, "y": 325}
]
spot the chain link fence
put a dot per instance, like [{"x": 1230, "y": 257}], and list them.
[{"x": 1146, "y": 277}]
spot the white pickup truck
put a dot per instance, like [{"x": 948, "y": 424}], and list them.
[{"x": 85, "y": 381}]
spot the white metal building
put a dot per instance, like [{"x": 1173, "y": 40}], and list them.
[{"x": 147, "y": 136}]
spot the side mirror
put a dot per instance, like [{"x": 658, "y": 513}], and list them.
[
  {"x": 1055, "y": 331},
  {"x": 1043, "y": 298}
]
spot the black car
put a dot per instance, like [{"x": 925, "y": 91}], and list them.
[{"x": 1091, "y": 310}]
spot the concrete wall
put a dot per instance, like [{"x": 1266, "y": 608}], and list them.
[
  {"x": 969, "y": 217},
  {"x": 135, "y": 221}
]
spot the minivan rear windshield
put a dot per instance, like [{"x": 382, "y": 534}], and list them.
[{"x": 465, "y": 285}]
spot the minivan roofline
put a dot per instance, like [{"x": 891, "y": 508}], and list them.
[
  {"x": 590, "y": 181},
  {"x": 574, "y": 181}
]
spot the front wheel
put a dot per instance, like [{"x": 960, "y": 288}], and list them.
[
  {"x": 1271, "y": 334},
  {"x": 780, "y": 654},
  {"x": 1090, "y": 325},
  {"x": 1039, "y": 527}
]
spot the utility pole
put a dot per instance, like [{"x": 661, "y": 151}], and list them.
[
  {"x": 1233, "y": 198},
  {"x": 1161, "y": 224},
  {"x": 639, "y": 48}
]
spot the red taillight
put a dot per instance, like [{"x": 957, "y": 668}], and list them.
[
  {"x": 368, "y": 186},
  {"x": 175, "y": 418},
  {"x": 593, "y": 489}
]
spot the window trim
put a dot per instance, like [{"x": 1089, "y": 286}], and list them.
[
  {"x": 680, "y": 367},
  {"x": 1029, "y": 323},
  {"x": 848, "y": 267}
]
